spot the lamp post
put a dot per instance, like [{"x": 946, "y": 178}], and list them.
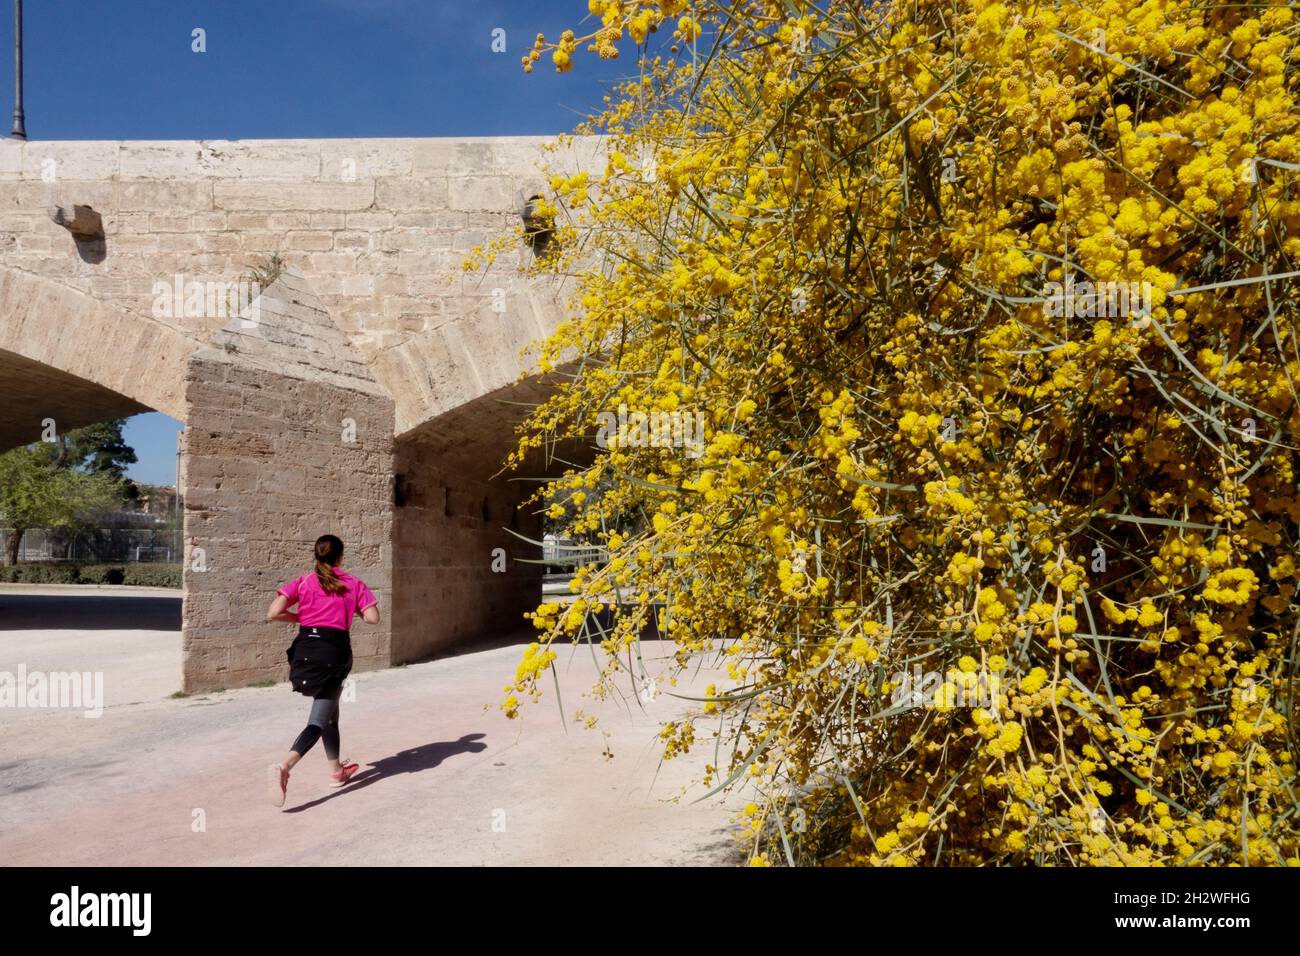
[
  {"x": 176, "y": 514},
  {"x": 20, "y": 126}
]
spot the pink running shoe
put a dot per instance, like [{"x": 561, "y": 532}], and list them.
[
  {"x": 277, "y": 783},
  {"x": 345, "y": 773}
]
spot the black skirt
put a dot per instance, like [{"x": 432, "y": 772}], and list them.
[{"x": 320, "y": 659}]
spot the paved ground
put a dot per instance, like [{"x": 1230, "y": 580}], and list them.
[
  {"x": 131, "y": 635},
  {"x": 443, "y": 781}
]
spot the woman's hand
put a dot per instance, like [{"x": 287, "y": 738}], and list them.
[{"x": 279, "y": 611}]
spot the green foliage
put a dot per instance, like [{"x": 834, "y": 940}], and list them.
[
  {"x": 61, "y": 484},
  {"x": 40, "y": 573},
  {"x": 37, "y": 492},
  {"x": 135, "y": 575},
  {"x": 98, "y": 449}
]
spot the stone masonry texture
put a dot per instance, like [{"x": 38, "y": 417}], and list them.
[{"x": 369, "y": 398}]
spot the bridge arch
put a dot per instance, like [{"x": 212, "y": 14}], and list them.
[
  {"x": 77, "y": 360},
  {"x": 371, "y": 331}
]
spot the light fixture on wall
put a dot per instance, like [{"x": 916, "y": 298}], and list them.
[
  {"x": 539, "y": 227},
  {"x": 83, "y": 222}
]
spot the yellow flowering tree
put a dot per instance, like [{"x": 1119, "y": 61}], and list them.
[{"x": 987, "y": 310}]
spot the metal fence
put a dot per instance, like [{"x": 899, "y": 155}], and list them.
[
  {"x": 115, "y": 545},
  {"x": 561, "y": 557}
]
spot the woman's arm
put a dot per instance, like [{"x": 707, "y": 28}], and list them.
[
  {"x": 371, "y": 614},
  {"x": 279, "y": 611}
]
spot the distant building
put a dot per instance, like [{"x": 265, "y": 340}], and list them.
[{"x": 157, "y": 500}]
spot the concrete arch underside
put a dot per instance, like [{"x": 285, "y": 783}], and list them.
[{"x": 72, "y": 359}]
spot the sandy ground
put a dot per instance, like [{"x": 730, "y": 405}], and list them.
[
  {"x": 130, "y": 635},
  {"x": 159, "y": 781}
]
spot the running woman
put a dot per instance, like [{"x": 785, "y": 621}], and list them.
[{"x": 320, "y": 658}]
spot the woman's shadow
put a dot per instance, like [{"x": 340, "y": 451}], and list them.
[{"x": 424, "y": 757}]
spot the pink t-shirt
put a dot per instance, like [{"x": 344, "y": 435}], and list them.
[{"x": 318, "y": 608}]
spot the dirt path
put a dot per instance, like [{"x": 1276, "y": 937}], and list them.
[{"x": 180, "y": 782}]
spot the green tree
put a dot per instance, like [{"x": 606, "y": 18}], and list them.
[
  {"x": 100, "y": 449},
  {"x": 60, "y": 484}
]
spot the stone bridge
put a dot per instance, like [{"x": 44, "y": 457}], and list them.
[{"x": 371, "y": 391}]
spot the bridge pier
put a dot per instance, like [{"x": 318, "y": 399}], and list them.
[{"x": 288, "y": 437}]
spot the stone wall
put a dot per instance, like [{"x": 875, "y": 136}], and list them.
[
  {"x": 375, "y": 318},
  {"x": 379, "y": 227},
  {"x": 279, "y": 451},
  {"x": 451, "y": 583},
  {"x": 69, "y": 357}
]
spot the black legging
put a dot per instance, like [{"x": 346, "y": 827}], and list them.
[{"x": 323, "y": 724}]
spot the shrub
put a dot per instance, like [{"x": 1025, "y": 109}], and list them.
[
  {"x": 101, "y": 574},
  {"x": 876, "y": 248},
  {"x": 153, "y": 575},
  {"x": 40, "y": 574},
  {"x": 140, "y": 575}
]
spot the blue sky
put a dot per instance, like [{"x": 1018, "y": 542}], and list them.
[
  {"x": 279, "y": 69},
  {"x": 282, "y": 69}
]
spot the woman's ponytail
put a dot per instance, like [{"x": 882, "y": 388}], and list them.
[{"x": 328, "y": 553}]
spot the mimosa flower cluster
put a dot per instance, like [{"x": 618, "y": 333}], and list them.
[{"x": 831, "y": 230}]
